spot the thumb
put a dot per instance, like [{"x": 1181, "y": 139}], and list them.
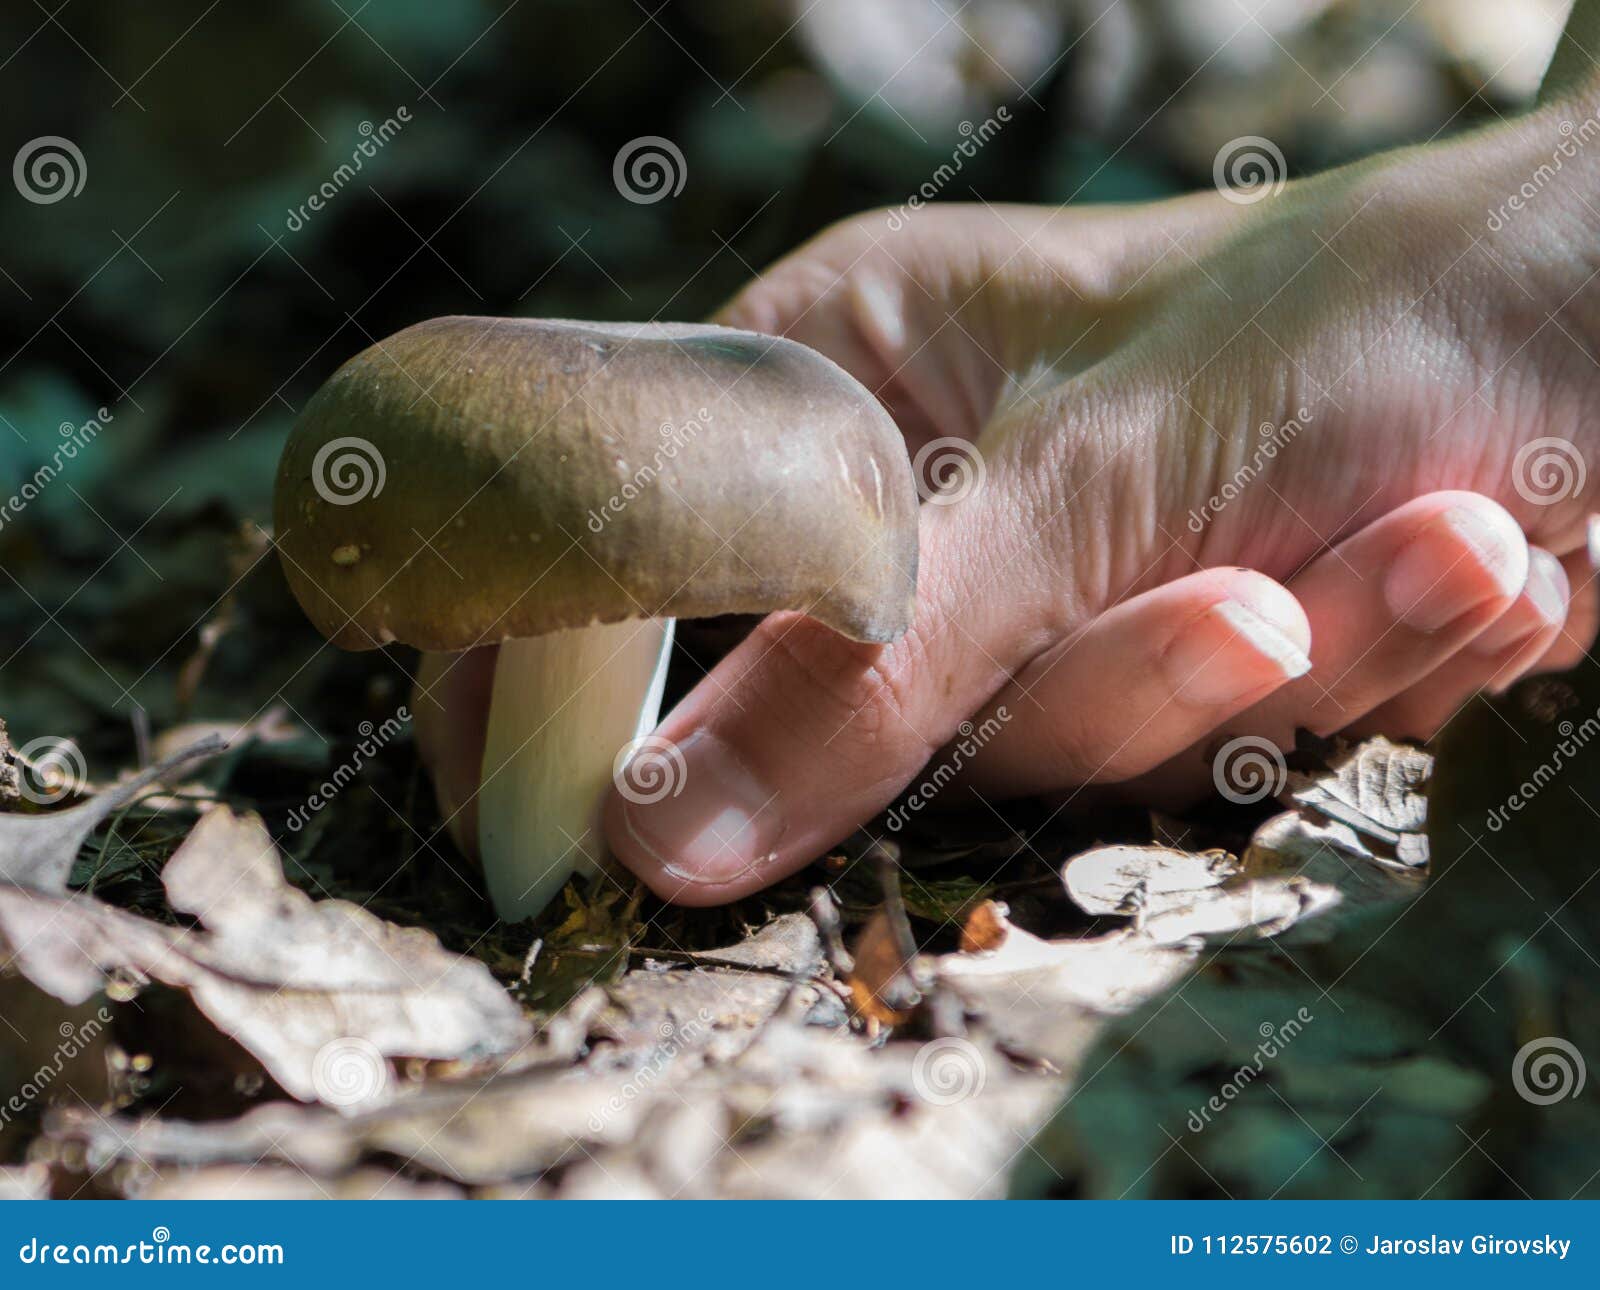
[{"x": 800, "y": 735}]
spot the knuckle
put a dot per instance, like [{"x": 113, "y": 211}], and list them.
[{"x": 864, "y": 691}]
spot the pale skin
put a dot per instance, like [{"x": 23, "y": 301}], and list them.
[{"x": 1136, "y": 578}]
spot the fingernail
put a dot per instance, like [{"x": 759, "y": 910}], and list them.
[
  {"x": 1431, "y": 583},
  {"x": 1547, "y": 586},
  {"x": 1546, "y": 592},
  {"x": 722, "y": 824},
  {"x": 1230, "y": 652}
]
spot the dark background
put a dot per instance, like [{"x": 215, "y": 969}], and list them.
[
  {"x": 173, "y": 292},
  {"x": 139, "y": 596}
]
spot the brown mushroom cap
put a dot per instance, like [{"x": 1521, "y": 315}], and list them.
[{"x": 471, "y": 480}]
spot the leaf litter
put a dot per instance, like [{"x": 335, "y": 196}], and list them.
[{"x": 611, "y": 1058}]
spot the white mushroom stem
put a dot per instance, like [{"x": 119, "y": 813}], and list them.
[{"x": 565, "y": 704}]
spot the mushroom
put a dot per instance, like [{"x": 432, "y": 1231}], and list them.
[{"x": 569, "y": 489}]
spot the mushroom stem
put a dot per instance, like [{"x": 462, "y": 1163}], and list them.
[{"x": 564, "y": 705}]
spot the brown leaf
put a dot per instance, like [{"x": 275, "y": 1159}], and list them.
[
  {"x": 37, "y": 849},
  {"x": 320, "y": 992},
  {"x": 881, "y": 985},
  {"x": 985, "y": 928}
]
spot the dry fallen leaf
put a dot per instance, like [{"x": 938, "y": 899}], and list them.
[
  {"x": 10, "y": 780},
  {"x": 1173, "y": 896},
  {"x": 24, "y": 1182},
  {"x": 37, "y": 849},
  {"x": 1044, "y": 999},
  {"x": 268, "y": 1182},
  {"x": 986, "y": 927},
  {"x": 1377, "y": 789},
  {"x": 724, "y": 1072},
  {"x": 1139, "y": 881},
  {"x": 881, "y": 984},
  {"x": 320, "y": 992}
]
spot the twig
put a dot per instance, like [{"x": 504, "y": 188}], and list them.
[
  {"x": 824, "y": 914},
  {"x": 681, "y": 956},
  {"x": 894, "y": 903}
]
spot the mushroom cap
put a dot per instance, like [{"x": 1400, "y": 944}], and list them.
[{"x": 473, "y": 480}]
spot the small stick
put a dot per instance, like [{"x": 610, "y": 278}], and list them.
[
  {"x": 894, "y": 902},
  {"x": 677, "y": 956},
  {"x": 825, "y": 915}
]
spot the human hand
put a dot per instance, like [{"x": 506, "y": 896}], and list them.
[{"x": 1234, "y": 468}]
